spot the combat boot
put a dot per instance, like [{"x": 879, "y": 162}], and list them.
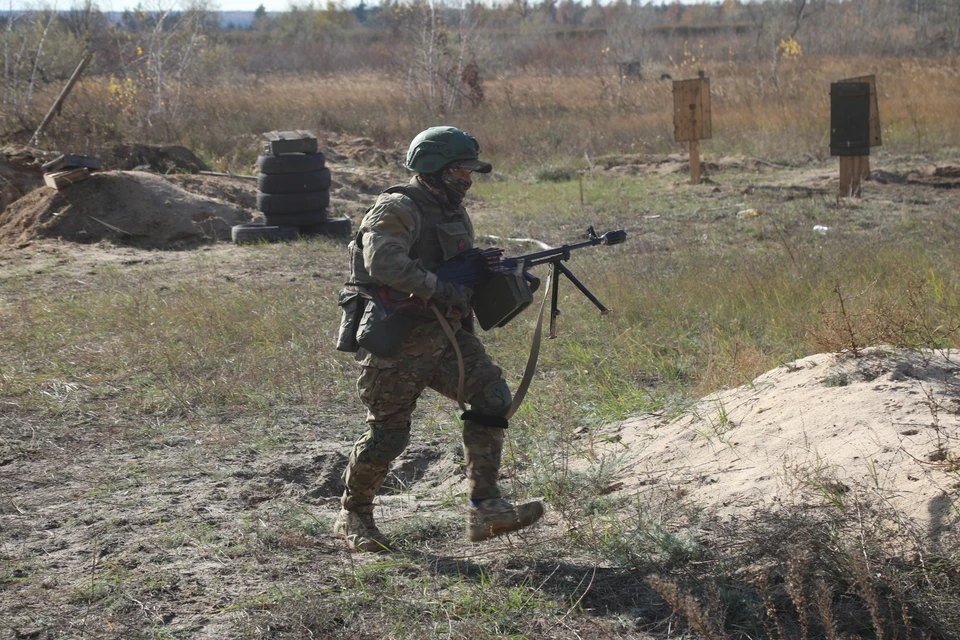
[
  {"x": 360, "y": 532},
  {"x": 495, "y": 516}
]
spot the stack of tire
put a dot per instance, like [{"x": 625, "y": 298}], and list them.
[{"x": 293, "y": 192}]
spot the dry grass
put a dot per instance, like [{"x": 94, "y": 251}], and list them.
[{"x": 776, "y": 112}]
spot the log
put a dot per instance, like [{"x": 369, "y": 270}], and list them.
[{"x": 55, "y": 109}]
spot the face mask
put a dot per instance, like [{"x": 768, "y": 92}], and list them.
[{"x": 456, "y": 180}]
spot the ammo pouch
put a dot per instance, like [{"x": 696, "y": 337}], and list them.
[
  {"x": 352, "y": 305},
  {"x": 502, "y": 298},
  {"x": 382, "y": 334}
]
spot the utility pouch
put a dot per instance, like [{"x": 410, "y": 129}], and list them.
[
  {"x": 382, "y": 334},
  {"x": 352, "y": 305}
]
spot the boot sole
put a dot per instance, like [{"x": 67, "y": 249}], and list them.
[
  {"x": 492, "y": 532},
  {"x": 479, "y": 535},
  {"x": 366, "y": 545}
]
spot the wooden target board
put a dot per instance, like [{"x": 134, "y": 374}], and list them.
[
  {"x": 691, "y": 118},
  {"x": 875, "y": 140},
  {"x": 854, "y": 129},
  {"x": 691, "y": 109}
]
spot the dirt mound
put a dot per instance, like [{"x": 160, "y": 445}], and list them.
[
  {"x": 171, "y": 159},
  {"x": 136, "y": 207},
  {"x": 241, "y": 192},
  {"x": 937, "y": 176},
  {"x": 20, "y": 173},
  {"x": 341, "y": 148},
  {"x": 881, "y": 428},
  {"x": 21, "y": 167}
]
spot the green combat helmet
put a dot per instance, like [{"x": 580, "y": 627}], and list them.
[{"x": 436, "y": 147}]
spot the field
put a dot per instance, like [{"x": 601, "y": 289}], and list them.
[
  {"x": 174, "y": 424},
  {"x": 174, "y": 421}
]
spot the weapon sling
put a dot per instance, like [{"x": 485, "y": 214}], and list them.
[{"x": 528, "y": 371}]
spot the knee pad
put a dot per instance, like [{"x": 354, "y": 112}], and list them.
[
  {"x": 493, "y": 400},
  {"x": 382, "y": 447}
]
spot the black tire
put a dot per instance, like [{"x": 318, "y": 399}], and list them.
[
  {"x": 331, "y": 227},
  {"x": 271, "y": 203},
  {"x": 302, "y": 219},
  {"x": 291, "y": 163},
  {"x": 308, "y": 182},
  {"x": 247, "y": 233}
]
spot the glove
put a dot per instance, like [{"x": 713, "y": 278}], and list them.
[{"x": 453, "y": 296}]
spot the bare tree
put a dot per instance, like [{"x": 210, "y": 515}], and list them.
[
  {"x": 627, "y": 46},
  {"x": 84, "y": 20},
  {"x": 165, "y": 54},
  {"x": 443, "y": 70},
  {"x": 36, "y": 63}
]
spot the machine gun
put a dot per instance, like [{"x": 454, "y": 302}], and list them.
[{"x": 503, "y": 287}]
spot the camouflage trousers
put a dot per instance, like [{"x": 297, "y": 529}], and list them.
[{"x": 390, "y": 387}]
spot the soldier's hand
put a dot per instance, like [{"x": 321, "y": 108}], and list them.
[{"x": 453, "y": 296}]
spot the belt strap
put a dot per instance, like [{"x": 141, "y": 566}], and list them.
[
  {"x": 531, "y": 367},
  {"x": 447, "y": 329}
]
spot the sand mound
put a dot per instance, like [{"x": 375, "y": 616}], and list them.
[
  {"x": 136, "y": 207},
  {"x": 882, "y": 427}
]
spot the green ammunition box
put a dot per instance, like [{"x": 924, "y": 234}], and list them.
[
  {"x": 501, "y": 299},
  {"x": 278, "y": 142}
]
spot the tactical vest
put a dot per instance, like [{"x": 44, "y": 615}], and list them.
[{"x": 442, "y": 235}]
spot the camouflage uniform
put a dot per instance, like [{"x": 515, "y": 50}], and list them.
[{"x": 401, "y": 242}]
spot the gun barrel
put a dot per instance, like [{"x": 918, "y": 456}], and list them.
[{"x": 610, "y": 238}]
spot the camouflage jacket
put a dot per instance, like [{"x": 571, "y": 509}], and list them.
[{"x": 405, "y": 236}]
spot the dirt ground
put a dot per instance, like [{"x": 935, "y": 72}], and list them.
[{"x": 166, "y": 527}]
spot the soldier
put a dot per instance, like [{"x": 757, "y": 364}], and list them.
[{"x": 402, "y": 240}]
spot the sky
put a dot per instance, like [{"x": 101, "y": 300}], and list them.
[
  {"x": 120, "y": 5},
  {"x": 223, "y": 5}
]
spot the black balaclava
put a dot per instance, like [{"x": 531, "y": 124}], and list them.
[{"x": 445, "y": 185}]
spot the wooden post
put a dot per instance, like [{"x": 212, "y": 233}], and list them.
[
  {"x": 63, "y": 96},
  {"x": 851, "y": 173},
  {"x": 694, "y": 162}
]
